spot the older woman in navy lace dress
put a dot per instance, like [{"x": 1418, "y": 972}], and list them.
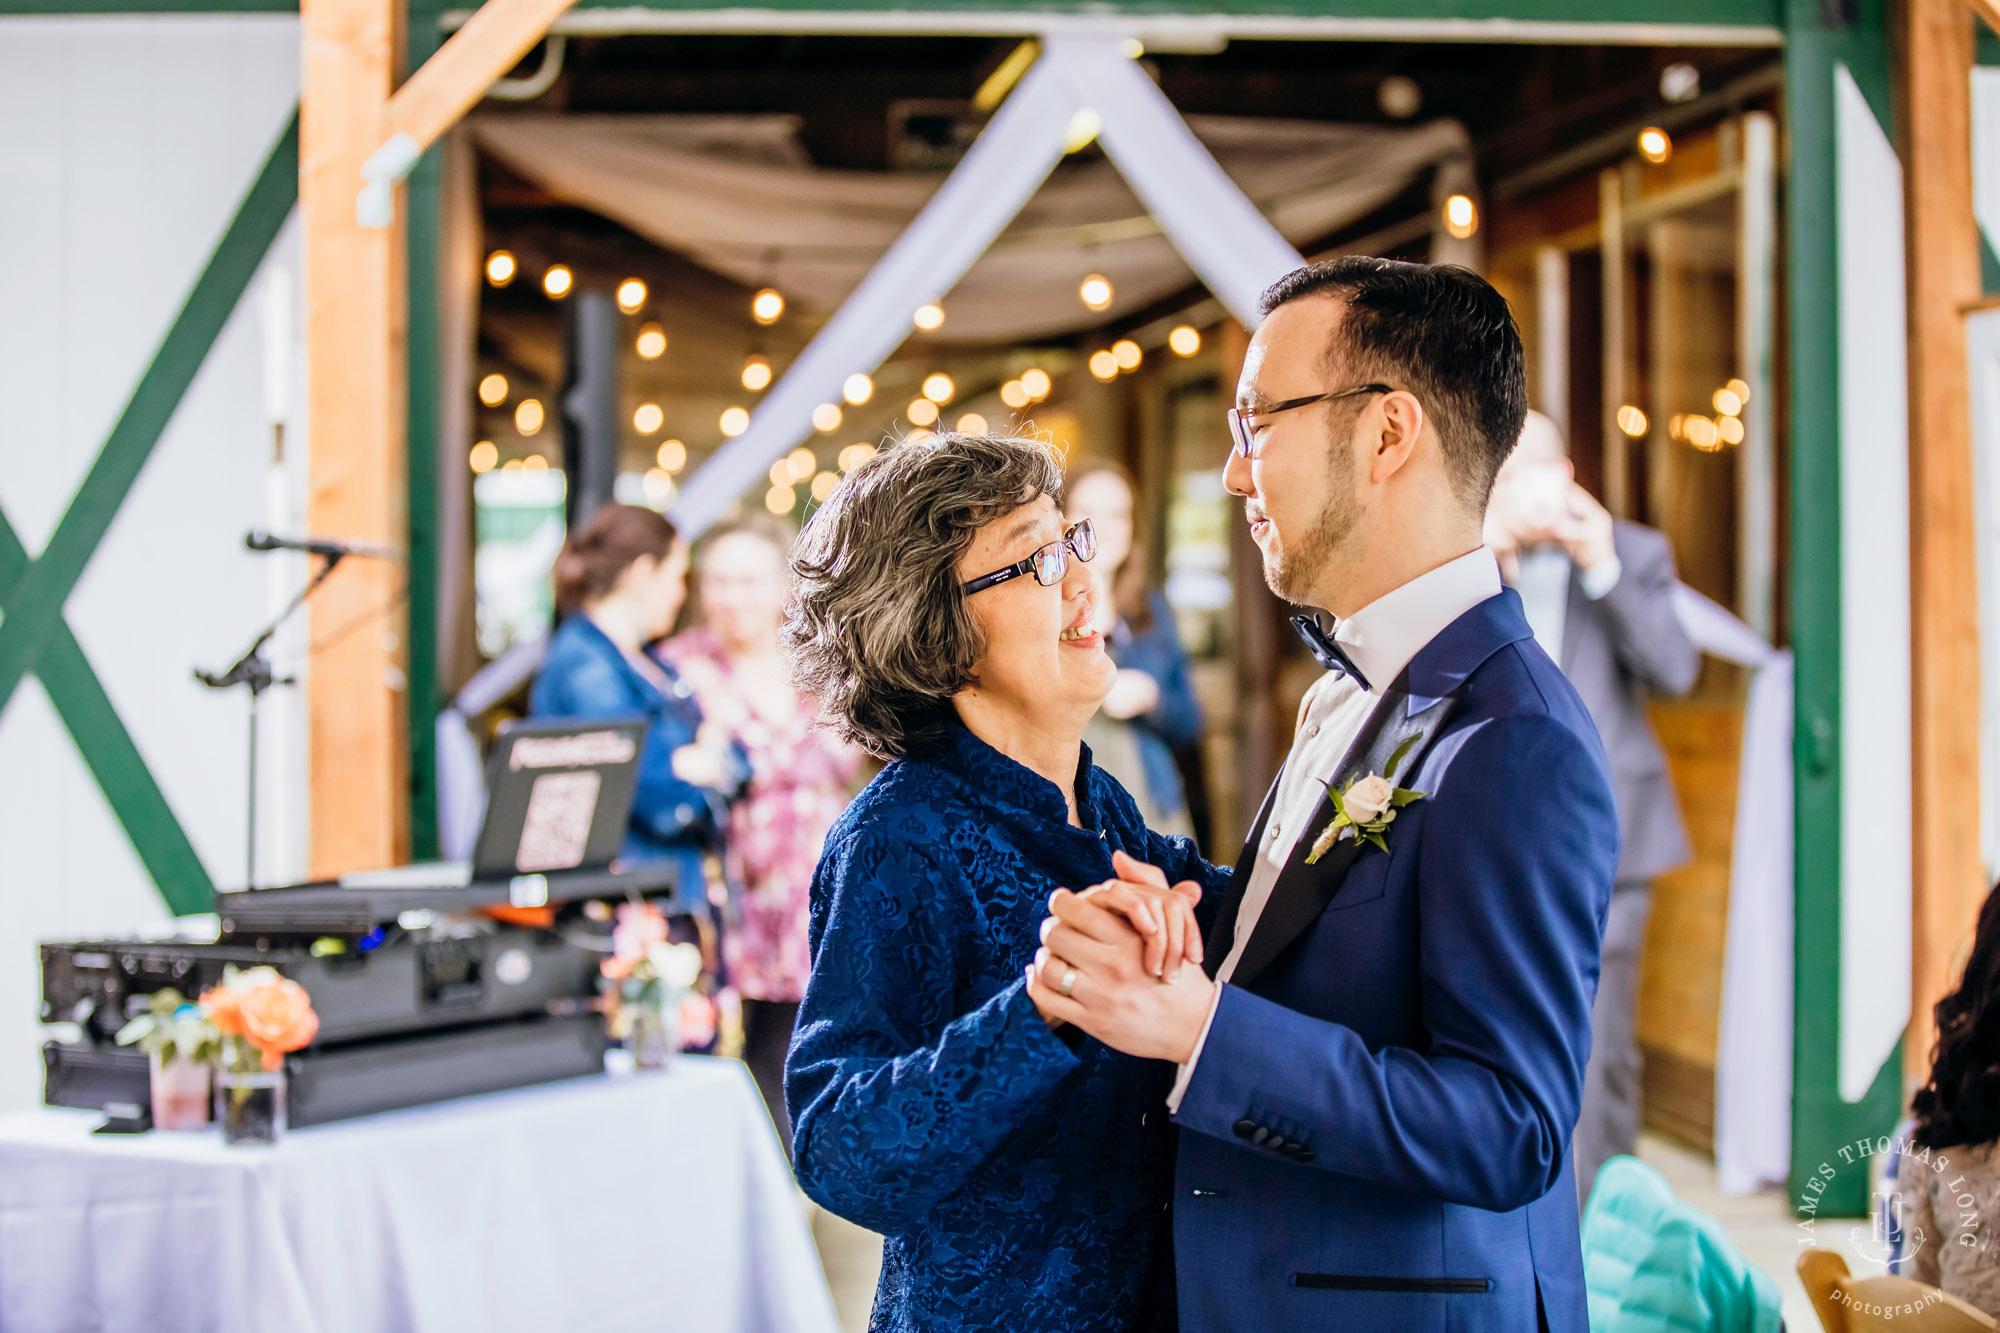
[{"x": 1019, "y": 1172}]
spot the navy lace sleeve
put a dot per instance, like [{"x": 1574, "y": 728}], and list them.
[{"x": 896, "y": 1099}]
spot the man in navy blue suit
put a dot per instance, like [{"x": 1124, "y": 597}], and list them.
[{"x": 1382, "y": 1054}]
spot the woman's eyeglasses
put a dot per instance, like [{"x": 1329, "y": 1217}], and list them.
[
  {"x": 1048, "y": 564},
  {"x": 1245, "y": 434}
]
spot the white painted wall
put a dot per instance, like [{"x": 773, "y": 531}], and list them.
[
  {"x": 1875, "y": 853},
  {"x": 126, "y": 145}
]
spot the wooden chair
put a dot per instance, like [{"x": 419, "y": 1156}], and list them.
[{"x": 1849, "y": 1304}]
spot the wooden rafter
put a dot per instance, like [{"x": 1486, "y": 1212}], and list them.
[{"x": 451, "y": 82}]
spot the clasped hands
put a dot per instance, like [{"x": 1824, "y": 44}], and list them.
[{"x": 1122, "y": 961}]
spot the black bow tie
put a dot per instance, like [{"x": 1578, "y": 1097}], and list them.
[{"x": 1327, "y": 651}]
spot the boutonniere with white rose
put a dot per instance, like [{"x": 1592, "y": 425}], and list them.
[{"x": 1365, "y": 807}]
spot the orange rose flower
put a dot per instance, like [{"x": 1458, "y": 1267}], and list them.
[
  {"x": 224, "y": 1007},
  {"x": 278, "y": 1017}
]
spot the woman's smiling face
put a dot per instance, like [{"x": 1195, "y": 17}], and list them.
[{"x": 1043, "y": 648}]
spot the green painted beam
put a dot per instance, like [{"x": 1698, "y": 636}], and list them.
[
  {"x": 423, "y": 218},
  {"x": 113, "y": 760},
  {"x": 1704, "y": 13},
  {"x": 34, "y": 599},
  {"x": 1822, "y": 1181}
]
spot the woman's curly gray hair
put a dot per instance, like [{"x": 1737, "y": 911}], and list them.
[{"x": 877, "y": 629}]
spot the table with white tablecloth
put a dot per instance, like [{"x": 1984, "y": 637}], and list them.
[{"x": 646, "y": 1201}]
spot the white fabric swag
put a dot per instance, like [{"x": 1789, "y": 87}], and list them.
[{"x": 738, "y": 195}]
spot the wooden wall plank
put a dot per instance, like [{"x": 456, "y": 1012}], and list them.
[{"x": 1943, "y": 249}]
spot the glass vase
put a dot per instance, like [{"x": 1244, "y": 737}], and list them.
[
  {"x": 249, "y": 1099},
  {"x": 654, "y": 1036},
  {"x": 180, "y": 1092}
]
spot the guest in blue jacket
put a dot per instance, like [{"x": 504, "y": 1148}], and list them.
[
  {"x": 620, "y": 582},
  {"x": 1020, "y": 1173},
  {"x": 1151, "y": 708}
]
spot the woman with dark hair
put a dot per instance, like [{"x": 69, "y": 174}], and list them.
[
  {"x": 1948, "y": 1177},
  {"x": 944, "y": 620},
  {"x": 801, "y": 778},
  {"x": 620, "y": 581},
  {"x": 1151, "y": 711}
]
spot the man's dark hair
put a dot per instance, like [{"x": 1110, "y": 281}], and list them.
[{"x": 1437, "y": 330}]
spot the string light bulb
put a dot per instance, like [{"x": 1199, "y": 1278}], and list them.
[
  {"x": 800, "y": 464},
  {"x": 824, "y": 486},
  {"x": 557, "y": 281},
  {"x": 1127, "y": 354},
  {"x": 652, "y": 343},
  {"x": 1461, "y": 217},
  {"x": 780, "y": 499},
  {"x": 972, "y": 424},
  {"x": 780, "y": 472},
  {"x": 501, "y": 267},
  {"x": 1095, "y": 292},
  {"x": 858, "y": 389},
  {"x": 921, "y": 412},
  {"x": 535, "y": 463},
  {"x": 733, "y": 421},
  {"x": 1632, "y": 421},
  {"x": 756, "y": 374},
  {"x": 483, "y": 456},
  {"x": 493, "y": 389},
  {"x": 1654, "y": 145},
  {"x": 1185, "y": 340},
  {"x": 528, "y": 416},
  {"x": 1036, "y": 381},
  {"x": 648, "y": 418},
  {"x": 673, "y": 456},
  {"x": 631, "y": 295},
  {"x": 1727, "y": 403},
  {"x": 767, "y": 306},
  {"x": 938, "y": 387},
  {"x": 1741, "y": 389},
  {"x": 854, "y": 455},
  {"x": 826, "y": 417},
  {"x": 1104, "y": 365},
  {"x": 1730, "y": 430},
  {"x": 659, "y": 484},
  {"x": 1014, "y": 394},
  {"x": 929, "y": 317}
]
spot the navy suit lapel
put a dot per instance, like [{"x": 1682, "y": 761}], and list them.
[
  {"x": 1222, "y": 934},
  {"x": 1416, "y": 706},
  {"x": 1303, "y": 892}
]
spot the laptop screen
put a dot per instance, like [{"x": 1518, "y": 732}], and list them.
[{"x": 558, "y": 796}]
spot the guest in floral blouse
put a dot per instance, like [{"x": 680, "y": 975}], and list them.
[{"x": 800, "y": 780}]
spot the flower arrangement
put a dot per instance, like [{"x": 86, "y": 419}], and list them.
[
  {"x": 173, "y": 1029},
  {"x": 1365, "y": 807},
  {"x": 651, "y": 982},
  {"x": 265, "y": 1012},
  {"x": 181, "y": 1046}
]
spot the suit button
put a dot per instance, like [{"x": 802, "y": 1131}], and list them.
[
  {"x": 1276, "y": 1144},
  {"x": 1260, "y": 1135},
  {"x": 1243, "y": 1129},
  {"x": 1305, "y": 1155}
]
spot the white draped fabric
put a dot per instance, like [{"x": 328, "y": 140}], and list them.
[
  {"x": 644, "y": 1202},
  {"x": 1753, "y": 1062},
  {"x": 737, "y": 195}
]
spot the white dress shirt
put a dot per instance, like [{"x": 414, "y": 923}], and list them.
[
  {"x": 1380, "y": 639},
  {"x": 1541, "y": 576}
]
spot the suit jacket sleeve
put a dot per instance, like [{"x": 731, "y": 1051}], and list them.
[
  {"x": 1517, "y": 854},
  {"x": 895, "y": 1100},
  {"x": 1646, "y": 632}
]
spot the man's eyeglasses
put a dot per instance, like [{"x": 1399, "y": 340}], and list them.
[
  {"x": 1245, "y": 434},
  {"x": 1048, "y": 564}
]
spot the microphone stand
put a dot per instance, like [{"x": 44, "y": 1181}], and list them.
[{"x": 252, "y": 669}]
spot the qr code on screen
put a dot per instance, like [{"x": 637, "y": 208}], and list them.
[{"x": 556, "y": 829}]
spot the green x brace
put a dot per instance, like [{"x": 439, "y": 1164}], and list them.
[{"x": 33, "y": 635}]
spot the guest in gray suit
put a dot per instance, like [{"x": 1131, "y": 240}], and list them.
[{"x": 1599, "y": 595}]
